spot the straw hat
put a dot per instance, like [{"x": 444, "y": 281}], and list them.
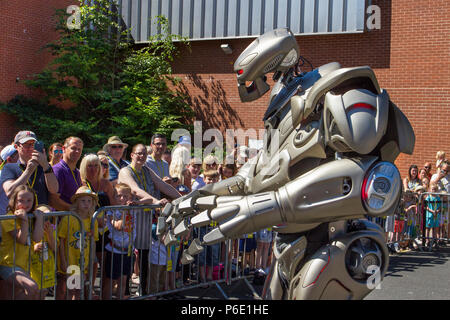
[
  {"x": 43, "y": 207},
  {"x": 84, "y": 191},
  {"x": 419, "y": 188},
  {"x": 113, "y": 141}
]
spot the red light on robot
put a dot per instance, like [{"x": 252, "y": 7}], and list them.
[{"x": 362, "y": 105}]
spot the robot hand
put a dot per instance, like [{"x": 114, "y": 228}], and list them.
[
  {"x": 235, "y": 215},
  {"x": 240, "y": 215}
]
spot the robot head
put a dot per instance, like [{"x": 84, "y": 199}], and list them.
[{"x": 276, "y": 50}]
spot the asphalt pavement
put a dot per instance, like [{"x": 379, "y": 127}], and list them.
[
  {"x": 411, "y": 275},
  {"x": 416, "y": 275}
]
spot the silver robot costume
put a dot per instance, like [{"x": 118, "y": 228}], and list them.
[{"x": 327, "y": 167}]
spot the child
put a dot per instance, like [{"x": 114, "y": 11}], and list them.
[
  {"x": 410, "y": 215},
  {"x": 209, "y": 256},
  {"x": 121, "y": 224},
  {"x": 43, "y": 258},
  {"x": 227, "y": 171},
  {"x": 440, "y": 156},
  {"x": 15, "y": 246},
  {"x": 84, "y": 202},
  {"x": 399, "y": 223},
  {"x": 433, "y": 207}
]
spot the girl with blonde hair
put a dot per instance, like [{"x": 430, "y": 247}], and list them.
[{"x": 181, "y": 157}]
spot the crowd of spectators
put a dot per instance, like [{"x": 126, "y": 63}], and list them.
[
  {"x": 423, "y": 209},
  {"x": 34, "y": 183},
  {"x": 127, "y": 249}
]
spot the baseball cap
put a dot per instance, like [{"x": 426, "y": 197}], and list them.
[
  {"x": 7, "y": 152},
  {"x": 24, "y": 136},
  {"x": 184, "y": 140}
]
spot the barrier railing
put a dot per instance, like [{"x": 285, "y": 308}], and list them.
[
  {"x": 407, "y": 228},
  {"x": 131, "y": 237},
  {"x": 436, "y": 223},
  {"x": 130, "y": 241},
  {"x": 42, "y": 264}
]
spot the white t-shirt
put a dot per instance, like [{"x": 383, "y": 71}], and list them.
[
  {"x": 121, "y": 238},
  {"x": 444, "y": 183}
]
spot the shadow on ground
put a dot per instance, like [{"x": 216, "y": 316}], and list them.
[{"x": 412, "y": 260}]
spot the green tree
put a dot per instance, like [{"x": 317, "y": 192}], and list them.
[{"x": 113, "y": 87}]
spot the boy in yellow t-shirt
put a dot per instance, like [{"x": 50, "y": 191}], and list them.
[{"x": 69, "y": 234}]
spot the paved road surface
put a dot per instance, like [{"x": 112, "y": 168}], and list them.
[
  {"x": 416, "y": 275},
  {"x": 411, "y": 275}
]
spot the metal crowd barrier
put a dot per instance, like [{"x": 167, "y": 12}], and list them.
[
  {"x": 37, "y": 259},
  {"x": 444, "y": 199},
  {"x": 408, "y": 229},
  {"x": 218, "y": 259}
]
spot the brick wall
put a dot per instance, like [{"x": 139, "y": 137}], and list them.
[
  {"x": 26, "y": 27},
  {"x": 409, "y": 53}
]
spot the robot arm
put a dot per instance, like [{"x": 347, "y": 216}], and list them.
[{"x": 337, "y": 190}]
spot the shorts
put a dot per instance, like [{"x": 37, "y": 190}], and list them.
[
  {"x": 399, "y": 225},
  {"x": 249, "y": 243},
  {"x": 6, "y": 271},
  {"x": 121, "y": 265},
  {"x": 264, "y": 235}
]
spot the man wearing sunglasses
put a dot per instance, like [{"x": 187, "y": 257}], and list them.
[
  {"x": 427, "y": 167},
  {"x": 32, "y": 169},
  {"x": 115, "y": 149},
  {"x": 442, "y": 178}
]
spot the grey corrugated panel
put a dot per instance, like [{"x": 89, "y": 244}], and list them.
[
  {"x": 282, "y": 13},
  {"x": 256, "y": 17},
  {"x": 218, "y": 19},
  {"x": 232, "y": 17},
  {"x": 322, "y": 15},
  {"x": 336, "y": 15}
]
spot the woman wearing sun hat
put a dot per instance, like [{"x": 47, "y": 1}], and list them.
[{"x": 115, "y": 149}]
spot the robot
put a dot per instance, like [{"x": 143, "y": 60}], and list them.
[{"x": 327, "y": 163}]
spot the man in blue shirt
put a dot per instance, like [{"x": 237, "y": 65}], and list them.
[
  {"x": 32, "y": 169},
  {"x": 154, "y": 160}
]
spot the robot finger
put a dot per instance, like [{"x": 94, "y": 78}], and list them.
[{"x": 213, "y": 237}]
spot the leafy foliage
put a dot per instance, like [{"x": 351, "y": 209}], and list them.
[{"x": 114, "y": 88}]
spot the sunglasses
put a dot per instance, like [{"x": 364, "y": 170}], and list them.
[
  {"x": 105, "y": 165},
  {"x": 116, "y": 147},
  {"x": 57, "y": 151},
  {"x": 427, "y": 167},
  {"x": 140, "y": 154}
]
